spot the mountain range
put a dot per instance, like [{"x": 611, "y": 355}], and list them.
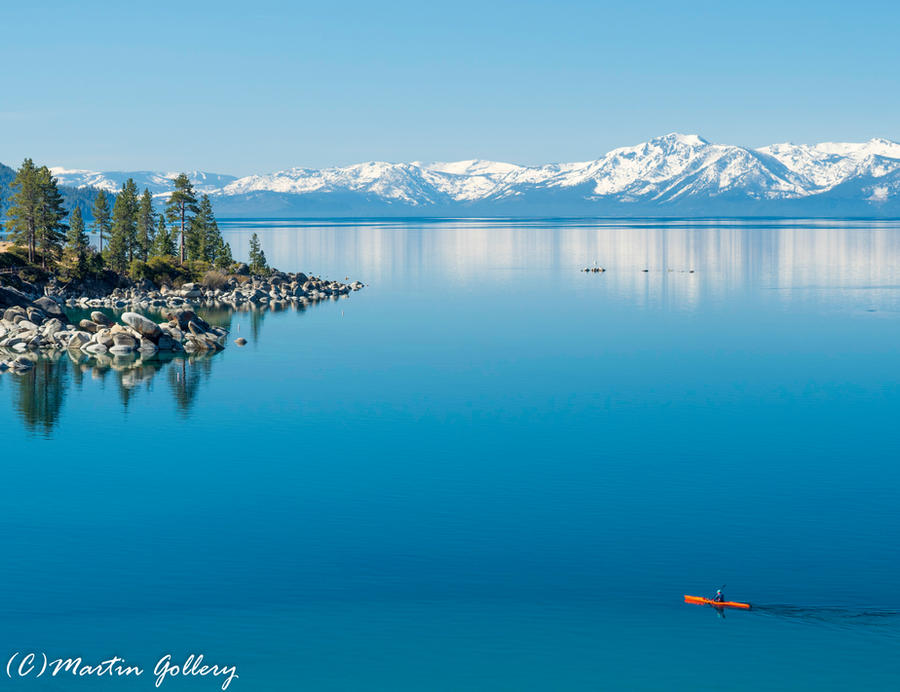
[{"x": 672, "y": 175}]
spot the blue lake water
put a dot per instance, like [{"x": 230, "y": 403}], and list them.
[{"x": 487, "y": 470}]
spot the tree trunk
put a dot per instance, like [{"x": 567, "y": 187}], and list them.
[{"x": 182, "y": 234}]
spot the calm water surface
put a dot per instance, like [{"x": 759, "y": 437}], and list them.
[{"x": 487, "y": 470}]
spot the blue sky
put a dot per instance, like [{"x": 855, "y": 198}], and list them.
[{"x": 256, "y": 86}]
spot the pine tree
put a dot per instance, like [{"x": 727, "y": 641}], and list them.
[
  {"x": 204, "y": 239},
  {"x": 24, "y": 207},
  {"x": 214, "y": 245},
  {"x": 223, "y": 258},
  {"x": 163, "y": 243},
  {"x": 258, "y": 264},
  {"x": 100, "y": 212},
  {"x": 145, "y": 222},
  {"x": 182, "y": 206},
  {"x": 51, "y": 231},
  {"x": 123, "y": 235},
  {"x": 195, "y": 241},
  {"x": 77, "y": 243}
]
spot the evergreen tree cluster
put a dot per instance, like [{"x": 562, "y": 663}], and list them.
[
  {"x": 131, "y": 230},
  {"x": 36, "y": 213},
  {"x": 194, "y": 226}
]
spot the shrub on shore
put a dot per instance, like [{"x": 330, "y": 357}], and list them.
[
  {"x": 214, "y": 279},
  {"x": 159, "y": 270}
]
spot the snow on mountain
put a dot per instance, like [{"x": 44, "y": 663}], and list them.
[
  {"x": 158, "y": 183},
  {"x": 832, "y": 163},
  {"x": 391, "y": 181},
  {"x": 660, "y": 171},
  {"x": 673, "y": 174}
]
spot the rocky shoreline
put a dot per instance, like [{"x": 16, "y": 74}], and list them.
[
  {"x": 32, "y": 327},
  {"x": 279, "y": 288}
]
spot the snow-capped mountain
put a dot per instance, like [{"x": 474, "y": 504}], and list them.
[
  {"x": 158, "y": 183},
  {"x": 677, "y": 175}
]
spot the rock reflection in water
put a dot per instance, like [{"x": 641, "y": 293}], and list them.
[{"x": 40, "y": 393}]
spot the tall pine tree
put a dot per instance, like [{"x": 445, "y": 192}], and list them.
[
  {"x": 100, "y": 212},
  {"x": 77, "y": 243},
  {"x": 258, "y": 264},
  {"x": 195, "y": 243},
  {"x": 24, "y": 207},
  {"x": 181, "y": 208},
  {"x": 145, "y": 222},
  {"x": 123, "y": 235},
  {"x": 224, "y": 260},
  {"x": 51, "y": 231},
  {"x": 204, "y": 241},
  {"x": 163, "y": 242}
]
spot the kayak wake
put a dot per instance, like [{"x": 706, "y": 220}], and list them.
[{"x": 826, "y": 613}]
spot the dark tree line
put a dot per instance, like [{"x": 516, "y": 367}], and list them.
[{"x": 132, "y": 230}]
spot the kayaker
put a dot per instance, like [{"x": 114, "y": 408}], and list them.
[{"x": 719, "y": 597}]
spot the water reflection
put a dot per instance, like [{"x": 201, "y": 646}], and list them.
[
  {"x": 794, "y": 260},
  {"x": 793, "y": 267},
  {"x": 40, "y": 393}
]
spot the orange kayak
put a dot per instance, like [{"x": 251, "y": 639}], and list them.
[{"x": 716, "y": 604}]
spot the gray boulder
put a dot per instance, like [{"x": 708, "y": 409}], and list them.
[
  {"x": 122, "y": 339},
  {"x": 146, "y": 327},
  {"x": 50, "y": 307},
  {"x": 78, "y": 340},
  {"x": 101, "y": 318}
]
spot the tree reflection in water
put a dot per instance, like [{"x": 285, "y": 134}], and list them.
[{"x": 41, "y": 392}]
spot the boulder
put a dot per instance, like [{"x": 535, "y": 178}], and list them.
[
  {"x": 10, "y": 314},
  {"x": 52, "y": 326},
  {"x": 89, "y": 326},
  {"x": 166, "y": 343},
  {"x": 182, "y": 317},
  {"x": 124, "y": 340},
  {"x": 78, "y": 340},
  {"x": 146, "y": 327},
  {"x": 195, "y": 328},
  {"x": 104, "y": 337},
  {"x": 11, "y": 297},
  {"x": 101, "y": 318},
  {"x": 50, "y": 307},
  {"x": 240, "y": 341}
]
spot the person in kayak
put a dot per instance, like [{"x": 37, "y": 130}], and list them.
[{"x": 719, "y": 597}]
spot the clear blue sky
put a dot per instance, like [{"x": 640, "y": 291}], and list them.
[{"x": 256, "y": 86}]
